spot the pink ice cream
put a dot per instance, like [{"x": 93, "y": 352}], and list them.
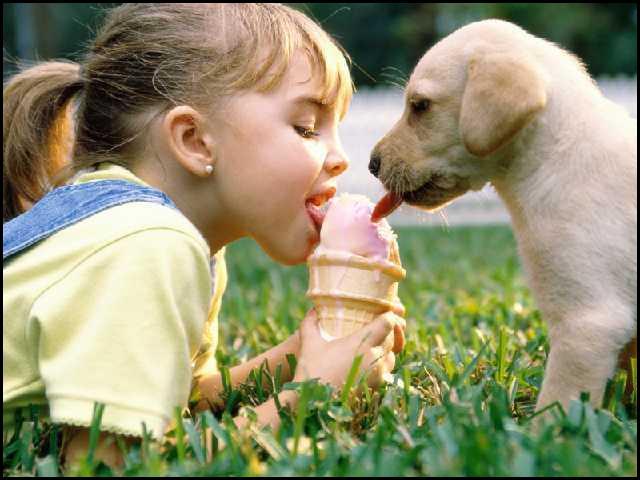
[
  {"x": 347, "y": 227},
  {"x": 355, "y": 270}
]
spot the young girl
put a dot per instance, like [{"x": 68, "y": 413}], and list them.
[{"x": 194, "y": 125}]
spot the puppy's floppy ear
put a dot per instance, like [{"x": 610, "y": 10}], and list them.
[{"x": 503, "y": 93}]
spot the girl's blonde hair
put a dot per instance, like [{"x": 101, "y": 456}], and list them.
[{"x": 146, "y": 59}]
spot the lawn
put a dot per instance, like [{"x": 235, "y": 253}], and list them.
[{"x": 461, "y": 399}]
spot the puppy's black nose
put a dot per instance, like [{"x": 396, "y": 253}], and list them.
[{"x": 374, "y": 164}]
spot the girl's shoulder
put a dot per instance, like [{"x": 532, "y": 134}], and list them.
[
  {"x": 128, "y": 218},
  {"x": 133, "y": 218},
  {"x": 134, "y": 243},
  {"x": 152, "y": 230}
]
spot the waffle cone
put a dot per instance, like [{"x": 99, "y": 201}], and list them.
[{"x": 349, "y": 291}]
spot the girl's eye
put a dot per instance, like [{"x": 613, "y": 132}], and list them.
[{"x": 305, "y": 132}]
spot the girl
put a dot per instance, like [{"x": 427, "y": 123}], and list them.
[{"x": 195, "y": 125}]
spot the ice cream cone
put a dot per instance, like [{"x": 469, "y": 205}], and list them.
[{"x": 350, "y": 290}]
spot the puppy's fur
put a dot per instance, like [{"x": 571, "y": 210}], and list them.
[{"x": 493, "y": 103}]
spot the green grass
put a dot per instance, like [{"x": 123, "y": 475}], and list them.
[{"x": 463, "y": 393}]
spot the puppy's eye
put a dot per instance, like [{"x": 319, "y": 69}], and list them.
[{"x": 420, "y": 106}]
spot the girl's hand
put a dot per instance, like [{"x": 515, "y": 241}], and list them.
[{"x": 330, "y": 361}]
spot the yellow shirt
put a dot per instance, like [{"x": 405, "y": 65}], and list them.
[{"x": 112, "y": 309}]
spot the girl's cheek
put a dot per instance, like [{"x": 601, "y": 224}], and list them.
[{"x": 318, "y": 150}]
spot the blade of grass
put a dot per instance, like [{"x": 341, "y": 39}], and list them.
[
  {"x": 179, "y": 434},
  {"x": 34, "y": 413},
  {"x": 26, "y": 446},
  {"x": 406, "y": 384},
  {"x": 268, "y": 442},
  {"x": 293, "y": 363},
  {"x": 194, "y": 440},
  {"x": 305, "y": 392},
  {"x": 437, "y": 371},
  {"x": 277, "y": 380},
  {"x": 146, "y": 453},
  {"x": 555, "y": 404},
  {"x": 221, "y": 434},
  {"x": 47, "y": 466},
  {"x": 502, "y": 354},
  {"x": 94, "y": 433},
  {"x": 634, "y": 379},
  {"x": 470, "y": 368},
  {"x": 226, "y": 380},
  {"x": 53, "y": 440},
  {"x": 598, "y": 442},
  {"x": 351, "y": 377}
]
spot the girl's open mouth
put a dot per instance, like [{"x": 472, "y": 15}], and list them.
[{"x": 318, "y": 204}]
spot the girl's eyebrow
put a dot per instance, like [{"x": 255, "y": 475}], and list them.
[{"x": 314, "y": 101}]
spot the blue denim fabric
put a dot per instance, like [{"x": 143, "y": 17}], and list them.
[{"x": 67, "y": 205}]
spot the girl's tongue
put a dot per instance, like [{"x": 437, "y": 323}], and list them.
[{"x": 317, "y": 214}]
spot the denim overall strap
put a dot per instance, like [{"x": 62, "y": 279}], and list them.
[{"x": 67, "y": 205}]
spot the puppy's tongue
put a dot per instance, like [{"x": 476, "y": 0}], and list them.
[{"x": 385, "y": 206}]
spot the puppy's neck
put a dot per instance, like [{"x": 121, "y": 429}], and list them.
[{"x": 565, "y": 147}]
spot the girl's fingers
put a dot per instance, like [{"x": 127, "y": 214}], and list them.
[
  {"x": 398, "y": 339},
  {"x": 389, "y": 364},
  {"x": 398, "y": 334},
  {"x": 390, "y": 361},
  {"x": 375, "y": 333},
  {"x": 398, "y": 307},
  {"x": 380, "y": 365},
  {"x": 309, "y": 326}
]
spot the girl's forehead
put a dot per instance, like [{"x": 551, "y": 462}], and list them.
[
  {"x": 302, "y": 71},
  {"x": 321, "y": 72},
  {"x": 322, "y": 77},
  {"x": 301, "y": 74}
]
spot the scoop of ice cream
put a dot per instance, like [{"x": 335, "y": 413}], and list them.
[{"x": 347, "y": 227}]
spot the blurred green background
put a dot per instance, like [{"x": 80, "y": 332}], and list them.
[{"x": 385, "y": 40}]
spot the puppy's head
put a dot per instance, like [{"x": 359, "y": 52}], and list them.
[{"x": 466, "y": 100}]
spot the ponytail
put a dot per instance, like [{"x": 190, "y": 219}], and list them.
[{"x": 37, "y": 131}]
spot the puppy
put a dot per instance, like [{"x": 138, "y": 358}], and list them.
[{"x": 493, "y": 103}]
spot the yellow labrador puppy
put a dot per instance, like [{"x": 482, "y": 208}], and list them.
[{"x": 493, "y": 103}]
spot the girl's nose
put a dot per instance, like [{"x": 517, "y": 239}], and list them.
[{"x": 336, "y": 163}]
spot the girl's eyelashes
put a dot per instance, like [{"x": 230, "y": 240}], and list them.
[{"x": 305, "y": 132}]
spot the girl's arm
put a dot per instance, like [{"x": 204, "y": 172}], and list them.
[
  {"x": 317, "y": 358},
  {"x": 211, "y": 385},
  {"x": 267, "y": 412},
  {"x": 330, "y": 361},
  {"x": 307, "y": 344}
]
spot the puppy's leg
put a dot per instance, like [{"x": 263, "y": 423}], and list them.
[{"x": 584, "y": 354}]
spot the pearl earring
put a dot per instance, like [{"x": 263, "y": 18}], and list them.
[{"x": 208, "y": 169}]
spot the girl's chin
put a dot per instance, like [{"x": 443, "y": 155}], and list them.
[
  {"x": 292, "y": 244},
  {"x": 289, "y": 257},
  {"x": 301, "y": 252},
  {"x": 291, "y": 252}
]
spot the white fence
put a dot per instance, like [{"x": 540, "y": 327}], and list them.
[{"x": 374, "y": 112}]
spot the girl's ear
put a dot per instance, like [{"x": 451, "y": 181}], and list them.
[{"x": 188, "y": 141}]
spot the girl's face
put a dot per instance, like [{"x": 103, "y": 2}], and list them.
[{"x": 277, "y": 154}]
